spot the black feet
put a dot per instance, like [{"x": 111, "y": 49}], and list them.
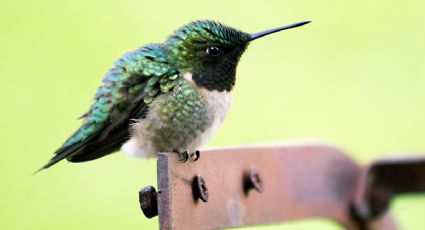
[
  {"x": 184, "y": 156},
  {"x": 195, "y": 156}
]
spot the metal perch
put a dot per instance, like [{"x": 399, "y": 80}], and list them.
[{"x": 241, "y": 186}]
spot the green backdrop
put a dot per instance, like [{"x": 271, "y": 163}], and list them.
[{"x": 355, "y": 77}]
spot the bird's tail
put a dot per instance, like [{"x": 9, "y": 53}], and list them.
[{"x": 61, "y": 154}]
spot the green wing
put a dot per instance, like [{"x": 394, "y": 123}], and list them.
[{"x": 135, "y": 80}]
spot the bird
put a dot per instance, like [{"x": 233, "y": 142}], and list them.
[{"x": 163, "y": 97}]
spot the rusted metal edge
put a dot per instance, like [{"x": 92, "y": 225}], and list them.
[
  {"x": 248, "y": 185},
  {"x": 164, "y": 193},
  {"x": 382, "y": 179},
  {"x": 300, "y": 181}
]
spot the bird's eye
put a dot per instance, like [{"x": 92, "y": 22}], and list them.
[{"x": 213, "y": 51}]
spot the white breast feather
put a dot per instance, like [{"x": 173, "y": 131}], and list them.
[{"x": 217, "y": 103}]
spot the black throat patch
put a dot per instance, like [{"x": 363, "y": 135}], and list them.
[
  {"x": 220, "y": 80},
  {"x": 218, "y": 72}
]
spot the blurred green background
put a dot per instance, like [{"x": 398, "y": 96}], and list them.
[{"x": 355, "y": 77}]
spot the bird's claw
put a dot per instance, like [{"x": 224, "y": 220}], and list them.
[
  {"x": 184, "y": 156},
  {"x": 196, "y": 154}
]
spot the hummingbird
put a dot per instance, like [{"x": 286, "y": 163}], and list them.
[{"x": 163, "y": 97}]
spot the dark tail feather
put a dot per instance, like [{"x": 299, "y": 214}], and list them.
[
  {"x": 93, "y": 147},
  {"x": 51, "y": 162},
  {"x": 84, "y": 151},
  {"x": 54, "y": 160},
  {"x": 63, "y": 153},
  {"x": 102, "y": 147}
]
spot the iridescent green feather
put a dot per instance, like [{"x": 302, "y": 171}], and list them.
[
  {"x": 142, "y": 73},
  {"x": 183, "y": 45}
]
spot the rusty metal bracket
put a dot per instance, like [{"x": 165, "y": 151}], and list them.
[
  {"x": 385, "y": 178},
  {"x": 240, "y": 186}
]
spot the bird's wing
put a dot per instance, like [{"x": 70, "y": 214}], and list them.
[{"x": 128, "y": 88}]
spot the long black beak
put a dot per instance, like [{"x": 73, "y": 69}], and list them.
[{"x": 266, "y": 32}]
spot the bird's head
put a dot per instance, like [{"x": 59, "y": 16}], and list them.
[{"x": 210, "y": 51}]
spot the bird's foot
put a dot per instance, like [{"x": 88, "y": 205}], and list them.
[
  {"x": 195, "y": 156},
  {"x": 184, "y": 156}
]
